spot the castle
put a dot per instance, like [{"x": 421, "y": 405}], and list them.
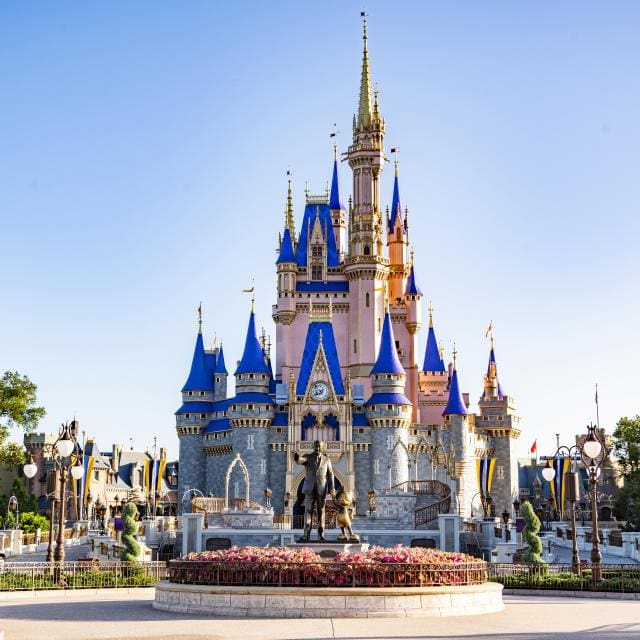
[{"x": 347, "y": 369}]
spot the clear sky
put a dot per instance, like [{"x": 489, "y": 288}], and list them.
[{"x": 143, "y": 156}]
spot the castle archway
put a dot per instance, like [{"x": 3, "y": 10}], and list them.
[{"x": 245, "y": 472}]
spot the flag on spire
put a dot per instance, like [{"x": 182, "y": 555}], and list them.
[{"x": 534, "y": 446}]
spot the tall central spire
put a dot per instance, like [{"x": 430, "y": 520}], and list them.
[
  {"x": 364, "y": 109},
  {"x": 289, "y": 222}
]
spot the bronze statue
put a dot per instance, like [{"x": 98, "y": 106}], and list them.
[
  {"x": 318, "y": 482},
  {"x": 345, "y": 510}
]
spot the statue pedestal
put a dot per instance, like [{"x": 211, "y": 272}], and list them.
[{"x": 331, "y": 549}]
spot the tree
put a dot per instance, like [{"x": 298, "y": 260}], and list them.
[
  {"x": 17, "y": 408},
  {"x": 130, "y": 527},
  {"x": 626, "y": 446},
  {"x": 530, "y": 534}
]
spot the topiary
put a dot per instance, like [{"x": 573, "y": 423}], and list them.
[
  {"x": 530, "y": 534},
  {"x": 129, "y": 529}
]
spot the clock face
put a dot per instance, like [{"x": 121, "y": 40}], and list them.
[{"x": 319, "y": 391}]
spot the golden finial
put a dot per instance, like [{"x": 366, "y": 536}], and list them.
[
  {"x": 252, "y": 292},
  {"x": 412, "y": 256},
  {"x": 214, "y": 341},
  {"x": 455, "y": 354},
  {"x": 431, "y": 315},
  {"x": 200, "y": 318},
  {"x": 441, "y": 352}
]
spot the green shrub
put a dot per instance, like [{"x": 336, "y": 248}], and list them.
[
  {"x": 130, "y": 528},
  {"x": 30, "y": 522},
  {"x": 530, "y": 534}
]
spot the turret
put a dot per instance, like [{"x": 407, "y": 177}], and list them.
[
  {"x": 497, "y": 420},
  {"x": 192, "y": 417},
  {"x": 251, "y": 411},
  {"x": 433, "y": 380},
  {"x": 366, "y": 268},
  {"x": 220, "y": 376},
  {"x": 413, "y": 302},
  {"x": 398, "y": 242},
  {"x": 388, "y": 411},
  {"x": 338, "y": 212},
  {"x": 463, "y": 439},
  {"x": 366, "y": 159},
  {"x": 252, "y": 373}
]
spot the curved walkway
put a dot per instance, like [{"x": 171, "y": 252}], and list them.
[{"x": 113, "y": 615}]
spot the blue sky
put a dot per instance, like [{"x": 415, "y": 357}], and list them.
[{"x": 143, "y": 158}]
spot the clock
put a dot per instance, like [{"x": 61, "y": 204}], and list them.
[{"x": 319, "y": 391}]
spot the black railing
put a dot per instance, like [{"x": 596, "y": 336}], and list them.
[
  {"x": 431, "y": 512},
  {"x": 21, "y": 576},
  {"x": 326, "y": 574},
  {"x": 618, "y": 578}
]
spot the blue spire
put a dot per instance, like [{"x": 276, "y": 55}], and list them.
[
  {"x": 396, "y": 207},
  {"x": 286, "y": 249},
  {"x": 198, "y": 379},
  {"x": 334, "y": 196},
  {"x": 253, "y": 357},
  {"x": 388, "y": 361},
  {"x": 492, "y": 360},
  {"x": 220, "y": 366},
  {"x": 412, "y": 287},
  {"x": 432, "y": 359},
  {"x": 455, "y": 405}
]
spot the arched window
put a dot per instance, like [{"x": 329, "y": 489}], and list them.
[
  {"x": 366, "y": 300},
  {"x": 367, "y": 250},
  {"x": 355, "y": 346}
]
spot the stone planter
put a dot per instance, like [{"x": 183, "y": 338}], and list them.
[{"x": 328, "y": 602}]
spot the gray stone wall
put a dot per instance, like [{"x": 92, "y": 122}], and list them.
[
  {"x": 258, "y": 439},
  {"x": 505, "y": 476},
  {"x": 220, "y": 388},
  {"x": 216, "y": 470},
  {"x": 277, "y": 471},
  {"x": 381, "y": 439},
  {"x": 192, "y": 466},
  {"x": 362, "y": 468}
]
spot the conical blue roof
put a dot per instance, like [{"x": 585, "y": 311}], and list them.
[
  {"x": 412, "y": 287},
  {"x": 432, "y": 360},
  {"x": 492, "y": 359},
  {"x": 220, "y": 366},
  {"x": 286, "y": 249},
  {"x": 388, "y": 361},
  {"x": 252, "y": 357},
  {"x": 456, "y": 405},
  {"x": 334, "y": 196},
  {"x": 199, "y": 378},
  {"x": 396, "y": 207}
]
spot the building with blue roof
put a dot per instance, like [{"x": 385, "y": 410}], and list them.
[{"x": 351, "y": 366}]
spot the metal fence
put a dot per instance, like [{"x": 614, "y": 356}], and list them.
[
  {"x": 620, "y": 578},
  {"x": 21, "y": 576},
  {"x": 325, "y": 574}
]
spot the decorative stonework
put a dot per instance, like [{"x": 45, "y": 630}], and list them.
[{"x": 328, "y": 602}]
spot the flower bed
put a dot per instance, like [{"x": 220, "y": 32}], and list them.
[{"x": 377, "y": 567}]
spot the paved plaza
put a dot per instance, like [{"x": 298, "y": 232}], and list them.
[{"x": 117, "y": 615}]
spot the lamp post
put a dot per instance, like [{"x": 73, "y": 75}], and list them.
[
  {"x": 505, "y": 518},
  {"x": 571, "y": 489},
  {"x": 67, "y": 466},
  {"x": 593, "y": 452},
  {"x": 516, "y": 507},
  {"x": 12, "y": 507}
]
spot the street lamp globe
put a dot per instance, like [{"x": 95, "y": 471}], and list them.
[
  {"x": 592, "y": 446},
  {"x": 65, "y": 445},
  {"x": 548, "y": 473},
  {"x": 31, "y": 468},
  {"x": 77, "y": 472}
]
